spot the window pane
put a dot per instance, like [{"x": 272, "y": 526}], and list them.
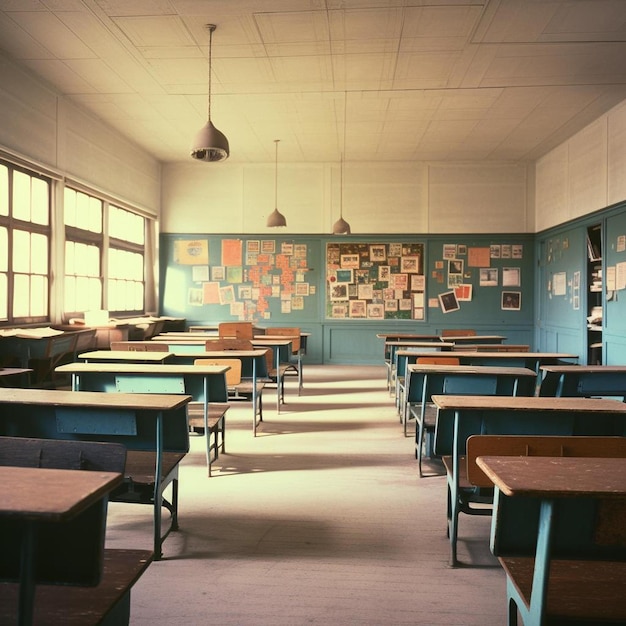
[
  {"x": 21, "y": 295},
  {"x": 4, "y": 297},
  {"x": 39, "y": 247},
  {"x": 126, "y": 225},
  {"x": 4, "y": 249},
  {"x": 40, "y": 207},
  {"x": 95, "y": 295},
  {"x": 21, "y": 196},
  {"x": 95, "y": 215},
  {"x": 21, "y": 251},
  {"x": 39, "y": 295},
  {"x": 4, "y": 190},
  {"x": 69, "y": 207},
  {"x": 70, "y": 294}
]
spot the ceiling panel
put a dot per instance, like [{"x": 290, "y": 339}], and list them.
[{"x": 419, "y": 80}]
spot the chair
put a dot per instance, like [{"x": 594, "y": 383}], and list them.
[
  {"x": 458, "y": 332},
  {"x": 244, "y": 388},
  {"x": 69, "y": 555},
  {"x": 294, "y": 365},
  {"x": 217, "y": 411},
  {"x": 235, "y": 330},
  {"x": 422, "y": 410}
]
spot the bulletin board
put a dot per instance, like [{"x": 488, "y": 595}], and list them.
[
  {"x": 480, "y": 280},
  {"x": 375, "y": 281},
  {"x": 234, "y": 278}
]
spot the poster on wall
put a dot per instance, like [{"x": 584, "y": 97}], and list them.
[
  {"x": 375, "y": 281},
  {"x": 248, "y": 278}
]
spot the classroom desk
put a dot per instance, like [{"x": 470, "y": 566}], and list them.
[
  {"x": 426, "y": 380},
  {"x": 253, "y": 367},
  {"x": 204, "y": 383},
  {"x": 124, "y": 356},
  {"x": 60, "y": 496},
  {"x": 461, "y": 416},
  {"x": 531, "y": 360},
  {"x": 142, "y": 422},
  {"x": 395, "y": 346},
  {"x": 583, "y": 380},
  {"x": 198, "y": 348},
  {"x": 549, "y": 480}
]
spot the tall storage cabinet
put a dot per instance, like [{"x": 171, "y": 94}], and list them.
[{"x": 595, "y": 290}]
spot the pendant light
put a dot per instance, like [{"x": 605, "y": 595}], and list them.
[
  {"x": 341, "y": 227},
  {"x": 276, "y": 218},
  {"x": 210, "y": 144}
]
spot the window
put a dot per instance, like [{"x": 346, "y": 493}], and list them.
[
  {"x": 83, "y": 252},
  {"x": 126, "y": 256},
  {"x": 24, "y": 246},
  {"x": 87, "y": 256}
]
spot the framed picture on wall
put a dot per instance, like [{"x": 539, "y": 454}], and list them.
[
  {"x": 376, "y": 311},
  {"x": 511, "y": 300},
  {"x": 448, "y": 302},
  {"x": 358, "y": 308}
]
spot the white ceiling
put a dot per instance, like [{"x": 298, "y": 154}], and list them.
[{"x": 418, "y": 80}]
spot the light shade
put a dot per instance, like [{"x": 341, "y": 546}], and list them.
[
  {"x": 210, "y": 144},
  {"x": 276, "y": 219},
  {"x": 341, "y": 227}
]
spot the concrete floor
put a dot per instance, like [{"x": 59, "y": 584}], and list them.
[{"x": 320, "y": 519}]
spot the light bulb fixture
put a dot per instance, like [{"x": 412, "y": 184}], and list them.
[
  {"x": 210, "y": 144},
  {"x": 341, "y": 227},
  {"x": 276, "y": 219}
]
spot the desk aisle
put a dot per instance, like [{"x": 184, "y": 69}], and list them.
[{"x": 320, "y": 519}]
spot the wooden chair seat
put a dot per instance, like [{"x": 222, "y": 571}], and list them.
[
  {"x": 579, "y": 592},
  {"x": 106, "y": 604}
]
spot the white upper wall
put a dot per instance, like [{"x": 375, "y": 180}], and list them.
[
  {"x": 41, "y": 125},
  {"x": 584, "y": 174},
  {"x": 378, "y": 198}
]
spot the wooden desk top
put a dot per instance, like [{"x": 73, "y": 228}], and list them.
[
  {"x": 584, "y": 369},
  {"x": 470, "y": 370},
  {"x": 93, "y": 399},
  {"x": 534, "y": 403},
  {"x": 125, "y": 355},
  {"x": 497, "y": 355},
  {"x": 143, "y": 368},
  {"x": 51, "y": 494},
  {"x": 556, "y": 476},
  {"x": 12, "y": 371}
]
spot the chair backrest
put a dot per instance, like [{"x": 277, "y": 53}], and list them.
[
  {"x": 294, "y": 333},
  {"x": 228, "y": 344},
  {"x": 140, "y": 346},
  {"x": 236, "y": 330},
  {"x": 534, "y": 445},
  {"x": 59, "y": 454},
  {"x": 69, "y": 552},
  {"x": 458, "y": 332},
  {"x": 438, "y": 360},
  {"x": 233, "y": 375}
]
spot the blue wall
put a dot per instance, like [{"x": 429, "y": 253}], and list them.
[{"x": 354, "y": 340}]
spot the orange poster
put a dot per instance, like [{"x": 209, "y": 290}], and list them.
[{"x": 232, "y": 252}]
